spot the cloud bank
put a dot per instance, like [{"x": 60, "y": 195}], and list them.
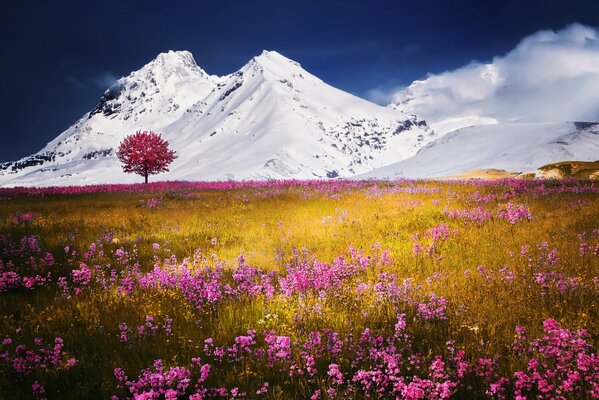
[{"x": 549, "y": 76}]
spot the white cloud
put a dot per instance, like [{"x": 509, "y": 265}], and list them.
[{"x": 549, "y": 76}]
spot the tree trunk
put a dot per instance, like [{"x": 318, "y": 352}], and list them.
[{"x": 146, "y": 176}]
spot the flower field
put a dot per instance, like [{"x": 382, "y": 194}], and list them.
[{"x": 301, "y": 290}]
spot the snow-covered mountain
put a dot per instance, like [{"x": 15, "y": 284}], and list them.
[
  {"x": 270, "y": 119},
  {"x": 514, "y": 147},
  {"x": 508, "y": 113}
]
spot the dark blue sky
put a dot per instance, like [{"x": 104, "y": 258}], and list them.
[{"x": 59, "y": 57}]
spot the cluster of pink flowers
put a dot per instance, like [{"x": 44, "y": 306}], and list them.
[
  {"x": 306, "y": 275},
  {"x": 148, "y": 329},
  {"x": 152, "y": 202},
  {"x": 252, "y": 281},
  {"x": 515, "y": 213},
  {"x": 24, "y": 258},
  {"x": 81, "y": 276},
  {"x": 560, "y": 365},
  {"x": 401, "y": 186},
  {"x": 200, "y": 285},
  {"x": 479, "y": 198},
  {"x": 21, "y": 218},
  {"x": 175, "y": 383},
  {"x": 152, "y": 384},
  {"x": 28, "y": 246},
  {"x": 9, "y": 279},
  {"x": 476, "y": 215},
  {"x": 26, "y": 361},
  {"x": 434, "y": 309},
  {"x": 587, "y": 249},
  {"x": 205, "y": 282},
  {"x": 435, "y": 238},
  {"x": 544, "y": 265},
  {"x": 557, "y": 280},
  {"x": 406, "y": 296}
]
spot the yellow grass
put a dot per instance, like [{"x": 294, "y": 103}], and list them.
[{"x": 266, "y": 227}]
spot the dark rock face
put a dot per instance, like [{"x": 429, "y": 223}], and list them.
[
  {"x": 585, "y": 125},
  {"x": 408, "y": 124},
  {"x": 92, "y": 155},
  {"x": 108, "y": 104},
  {"x": 403, "y": 126},
  {"x": 36, "y": 159},
  {"x": 233, "y": 88}
]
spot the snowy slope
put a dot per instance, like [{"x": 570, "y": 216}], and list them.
[
  {"x": 270, "y": 119},
  {"x": 514, "y": 147},
  {"x": 273, "y": 119},
  {"x": 150, "y": 98}
]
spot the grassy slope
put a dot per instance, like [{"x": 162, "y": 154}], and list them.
[{"x": 573, "y": 169}]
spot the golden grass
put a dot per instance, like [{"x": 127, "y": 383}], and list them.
[{"x": 266, "y": 228}]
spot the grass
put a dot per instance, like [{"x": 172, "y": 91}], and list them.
[{"x": 268, "y": 226}]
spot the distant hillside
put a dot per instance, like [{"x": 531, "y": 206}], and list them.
[
  {"x": 567, "y": 169},
  {"x": 513, "y": 147}
]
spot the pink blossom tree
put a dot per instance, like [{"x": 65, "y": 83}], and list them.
[{"x": 145, "y": 153}]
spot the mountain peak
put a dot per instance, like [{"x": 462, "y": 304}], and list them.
[
  {"x": 170, "y": 65},
  {"x": 172, "y": 56},
  {"x": 271, "y": 58},
  {"x": 272, "y": 54}
]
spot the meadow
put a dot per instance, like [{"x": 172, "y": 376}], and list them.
[{"x": 301, "y": 290}]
